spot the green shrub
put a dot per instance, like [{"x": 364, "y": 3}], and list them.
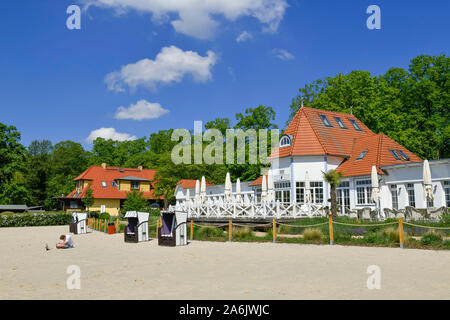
[
  {"x": 284, "y": 230},
  {"x": 391, "y": 234},
  {"x": 313, "y": 234},
  {"x": 104, "y": 216},
  {"x": 446, "y": 244},
  {"x": 431, "y": 238},
  {"x": 205, "y": 233},
  {"x": 35, "y": 219},
  {"x": 445, "y": 218},
  {"x": 242, "y": 233}
]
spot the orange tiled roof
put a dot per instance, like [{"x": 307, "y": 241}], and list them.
[
  {"x": 189, "y": 183},
  {"x": 310, "y": 136},
  {"x": 377, "y": 147},
  {"x": 258, "y": 181},
  {"x": 98, "y": 174}
]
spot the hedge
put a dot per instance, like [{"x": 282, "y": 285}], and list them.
[{"x": 35, "y": 219}]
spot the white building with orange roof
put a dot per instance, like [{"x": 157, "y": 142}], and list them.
[{"x": 317, "y": 141}]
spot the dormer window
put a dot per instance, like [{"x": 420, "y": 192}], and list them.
[
  {"x": 340, "y": 123},
  {"x": 104, "y": 185},
  {"x": 285, "y": 141},
  {"x": 403, "y": 155},
  {"x": 355, "y": 124},
  {"x": 362, "y": 155},
  {"x": 325, "y": 120},
  {"x": 135, "y": 185}
]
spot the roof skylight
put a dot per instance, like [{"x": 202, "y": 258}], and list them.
[
  {"x": 340, "y": 123},
  {"x": 362, "y": 155},
  {"x": 325, "y": 120},
  {"x": 395, "y": 154},
  {"x": 355, "y": 124},
  {"x": 403, "y": 155}
]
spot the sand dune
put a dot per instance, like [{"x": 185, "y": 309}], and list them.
[{"x": 112, "y": 269}]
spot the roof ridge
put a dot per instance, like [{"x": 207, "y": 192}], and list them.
[
  {"x": 317, "y": 136},
  {"x": 295, "y": 130},
  {"x": 380, "y": 147}
]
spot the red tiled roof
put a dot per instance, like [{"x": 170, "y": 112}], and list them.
[
  {"x": 377, "y": 147},
  {"x": 310, "y": 136},
  {"x": 188, "y": 183},
  {"x": 98, "y": 174},
  {"x": 258, "y": 181}
]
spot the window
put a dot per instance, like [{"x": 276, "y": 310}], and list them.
[
  {"x": 340, "y": 123},
  {"x": 325, "y": 120},
  {"x": 393, "y": 188},
  {"x": 316, "y": 192},
  {"x": 283, "y": 191},
  {"x": 411, "y": 195},
  {"x": 362, "y": 155},
  {"x": 104, "y": 185},
  {"x": 447, "y": 193},
  {"x": 363, "y": 191},
  {"x": 403, "y": 155},
  {"x": 355, "y": 124},
  {"x": 73, "y": 204},
  {"x": 285, "y": 141},
  {"x": 114, "y": 184},
  {"x": 395, "y": 154},
  {"x": 343, "y": 196},
  {"x": 135, "y": 185}
]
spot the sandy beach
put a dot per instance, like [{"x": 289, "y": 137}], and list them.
[{"x": 112, "y": 269}]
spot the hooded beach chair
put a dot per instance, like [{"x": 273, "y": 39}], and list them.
[
  {"x": 137, "y": 228},
  {"x": 78, "y": 224},
  {"x": 173, "y": 231}
]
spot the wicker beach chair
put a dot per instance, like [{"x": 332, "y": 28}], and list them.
[
  {"x": 137, "y": 228},
  {"x": 78, "y": 224},
  {"x": 173, "y": 231}
]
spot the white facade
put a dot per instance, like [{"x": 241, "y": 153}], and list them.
[{"x": 405, "y": 180}]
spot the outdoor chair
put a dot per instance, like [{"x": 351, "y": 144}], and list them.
[
  {"x": 390, "y": 213},
  {"x": 353, "y": 214},
  {"x": 436, "y": 213},
  {"x": 173, "y": 231},
  {"x": 78, "y": 224},
  {"x": 365, "y": 214},
  {"x": 137, "y": 228},
  {"x": 414, "y": 214}
]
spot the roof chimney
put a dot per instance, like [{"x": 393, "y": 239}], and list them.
[
  {"x": 140, "y": 168},
  {"x": 104, "y": 165}
]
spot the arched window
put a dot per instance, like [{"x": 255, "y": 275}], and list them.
[{"x": 285, "y": 141}]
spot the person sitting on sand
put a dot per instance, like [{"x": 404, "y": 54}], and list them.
[{"x": 66, "y": 242}]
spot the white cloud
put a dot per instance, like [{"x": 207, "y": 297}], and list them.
[
  {"x": 170, "y": 65},
  {"x": 109, "y": 133},
  {"x": 244, "y": 36},
  {"x": 196, "y": 17},
  {"x": 140, "y": 111},
  {"x": 283, "y": 54}
]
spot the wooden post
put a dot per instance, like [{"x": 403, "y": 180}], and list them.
[
  {"x": 274, "y": 230},
  {"x": 230, "y": 230},
  {"x": 105, "y": 226},
  {"x": 157, "y": 225},
  {"x": 192, "y": 229},
  {"x": 330, "y": 223},
  {"x": 400, "y": 232},
  {"x": 117, "y": 226}
]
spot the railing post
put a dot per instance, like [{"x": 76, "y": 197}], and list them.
[
  {"x": 400, "y": 232},
  {"x": 192, "y": 229},
  {"x": 330, "y": 223},
  {"x": 274, "y": 230},
  {"x": 157, "y": 225},
  {"x": 230, "y": 230}
]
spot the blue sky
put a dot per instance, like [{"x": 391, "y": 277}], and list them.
[{"x": 52, "y": 83}]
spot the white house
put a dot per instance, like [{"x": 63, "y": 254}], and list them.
[{"x": 317, "y": 141}]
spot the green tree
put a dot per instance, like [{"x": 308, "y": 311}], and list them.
[
  {"x": 38, "y": 168},
  {"x": 221, "y": 124},
  {"x": 12, "y": 153},
  {"x": 88, "y": 199},
  {"x": 333, "y": 178},
  {"x": 135, "y": 201}
]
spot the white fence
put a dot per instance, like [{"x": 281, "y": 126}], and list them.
[{"x": 251, "y": 211}]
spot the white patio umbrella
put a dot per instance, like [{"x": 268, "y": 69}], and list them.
[
  {"x": 308, "y": 197},
  {"x": 238, "y": 191},
  {"x": 264, "y": 189},
  {"x": 270, "y": 187},
  {"x": 428, "y": 189},
  {"x": 188, "y": 196},
  {"x": 375, "y": 196},
  {"x": 228, "y": 187},
  {"x": 197, "y": 191},
  {"x": 203, "y": 190}
]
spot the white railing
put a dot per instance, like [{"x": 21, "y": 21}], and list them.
[{"x": 251, "y": 210}]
